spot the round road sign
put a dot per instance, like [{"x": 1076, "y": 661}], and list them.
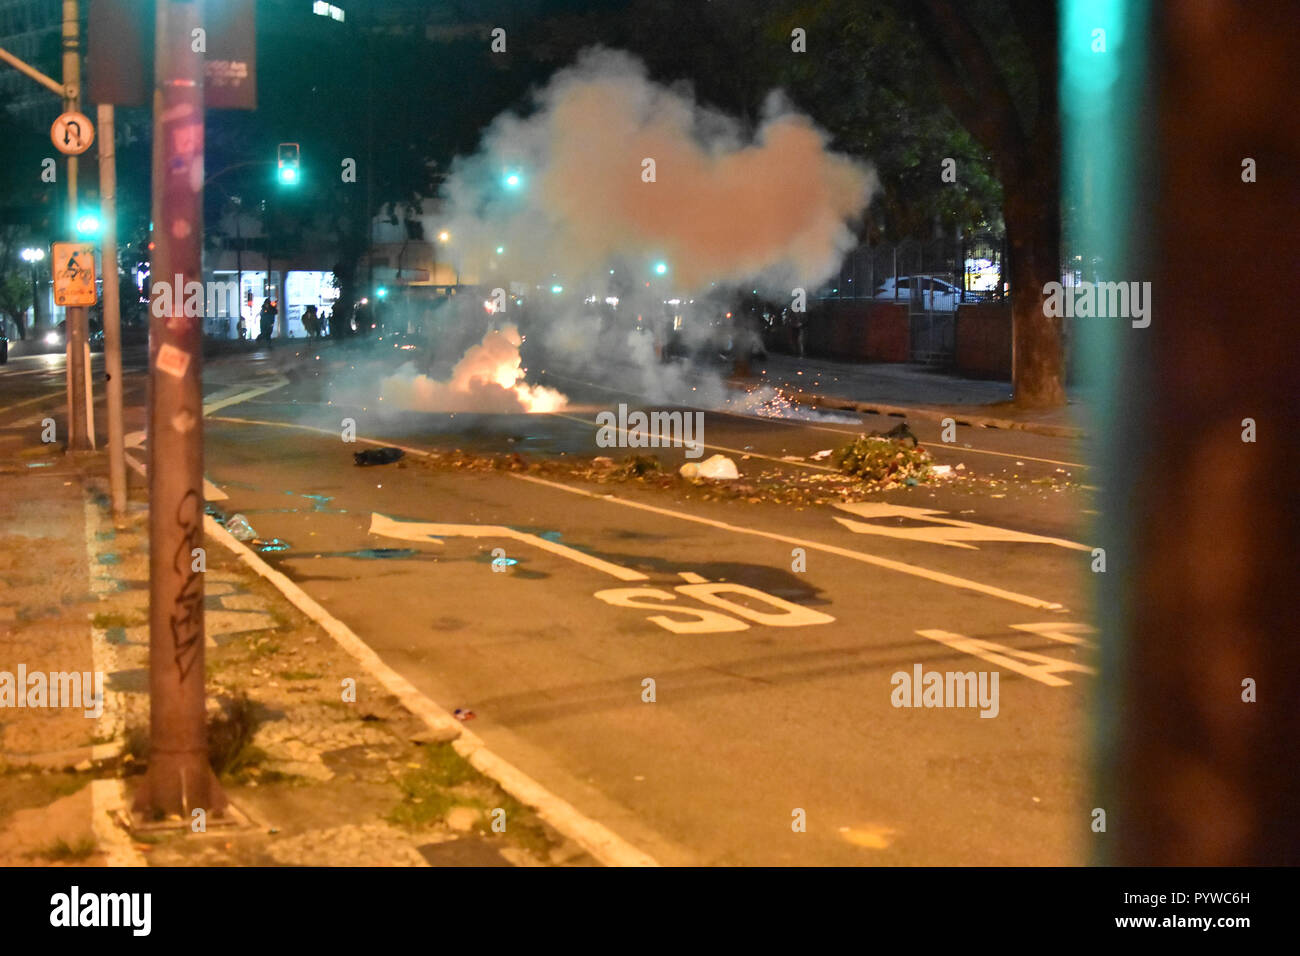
[{"x": 72, "y": 133}]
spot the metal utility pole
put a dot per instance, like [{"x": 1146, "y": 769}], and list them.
[
  {"x": 180, "y": 778},
  {"x": 81, "y": 427},
  {"x": 112, "y": 309}
]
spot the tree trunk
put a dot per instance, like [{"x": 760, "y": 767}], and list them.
[{"x": 1033, "y": 260}]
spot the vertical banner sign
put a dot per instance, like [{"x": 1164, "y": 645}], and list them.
[
  {"x": 120, "y": 57},
  {"x": 230, "y": 71}
]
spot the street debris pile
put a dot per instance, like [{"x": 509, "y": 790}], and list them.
[{"x": 885, "y": 459}]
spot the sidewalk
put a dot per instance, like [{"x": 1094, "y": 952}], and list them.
[
  {"x": 318, "y": 779},
  {"x": 889, "y": 388}
]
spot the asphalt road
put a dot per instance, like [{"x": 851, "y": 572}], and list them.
[{"x": 771, "y": 633}]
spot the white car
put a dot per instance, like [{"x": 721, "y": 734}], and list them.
[{"x": 935, "y": 294}]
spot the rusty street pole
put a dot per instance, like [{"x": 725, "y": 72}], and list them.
[
  {"x": 112, "y": 309},
  {"x": 179, "y": 779}
]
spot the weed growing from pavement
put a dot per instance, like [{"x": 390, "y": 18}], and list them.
[
  {"x": 230, "y": 739},
  {"x": 104, "y": 622},
  {"x": 300, "y": 675},
  {"x": 61, "y": 851},
  {"x": 446, "y": 780}
]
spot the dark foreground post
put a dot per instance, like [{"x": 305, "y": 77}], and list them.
[{"x": 179, "y": 778}]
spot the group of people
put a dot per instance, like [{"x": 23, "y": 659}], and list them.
[{"x": 315, "y": 324}]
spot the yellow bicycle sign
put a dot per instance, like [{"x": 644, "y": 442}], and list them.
[{"x": 73, "y": 266}]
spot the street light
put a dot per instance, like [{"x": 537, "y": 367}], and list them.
[
  {"x": 444, "y": 236},
  {"x": 32, "y": 255}
]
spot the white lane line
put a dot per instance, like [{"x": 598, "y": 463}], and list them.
[
  {"x": 251, "y": 392},
  {"x": 938, "y": 577},
  {"x": 32, "y": 401},
  {"x": 604, "y": 845},
  {"x": 915, "y": 570}
]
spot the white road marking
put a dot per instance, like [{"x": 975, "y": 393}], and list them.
[
  {"x": 426, "y": 532},
  {"x": 210, "y": 491},
  {"x": 606, "y": 846},
  {"x": 946, "y": 531},
  {"x": 1038, "y": 667},
  {"x": 912, "y": 569},
  {"x": 1060, "y": 631},
  {"x": 251, "y": 392}
]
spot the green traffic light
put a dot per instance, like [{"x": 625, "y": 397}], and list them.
[
  {"x": 288, "y": 176},
  {"x": 88, "y": 225},
  {"x": 381, "y": 292}
]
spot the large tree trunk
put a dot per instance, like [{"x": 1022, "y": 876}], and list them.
[{"x": 1031, "y": 212}]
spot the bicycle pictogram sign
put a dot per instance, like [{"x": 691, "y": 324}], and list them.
[{"x": 73, "y": 267}]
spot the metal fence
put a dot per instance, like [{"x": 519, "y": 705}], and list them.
[{"x": 972, "y": 265}]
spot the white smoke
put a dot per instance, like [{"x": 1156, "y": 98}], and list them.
[{"x": 722, "y": 209}]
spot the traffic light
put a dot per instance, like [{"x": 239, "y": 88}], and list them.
[
  {"x": 88, "y": 224},
  {"x": 287, "y": 163}
]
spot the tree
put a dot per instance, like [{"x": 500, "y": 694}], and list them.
[{"x": 1002, "y": 89}]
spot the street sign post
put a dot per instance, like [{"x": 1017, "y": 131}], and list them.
[
  {"x": 72, "y": 133},
  {"x": 73, "y": 267}
]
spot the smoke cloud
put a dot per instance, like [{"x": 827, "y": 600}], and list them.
[{"x": 723, "y": 208}]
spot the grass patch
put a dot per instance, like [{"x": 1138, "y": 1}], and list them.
[
  {"x": 427, "y": 792},
  {"x": 62, "y": 851},
  {"x": 105, "y": 621},
  {"x": 446, "y": 780}
]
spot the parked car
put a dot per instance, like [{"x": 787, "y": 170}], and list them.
[
  {"x": 4, "y": 343},
  {"x": 934, "y": 293}
]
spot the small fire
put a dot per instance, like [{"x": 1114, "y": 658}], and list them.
[
  {"x": 488, "y": 378},
  {"x": 496, "y": 360}
]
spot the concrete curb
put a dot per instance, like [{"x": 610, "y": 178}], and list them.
[{"x": 605, "y": 846}]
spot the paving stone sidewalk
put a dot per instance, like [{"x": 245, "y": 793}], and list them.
[{"x": 319, "y": 780}]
